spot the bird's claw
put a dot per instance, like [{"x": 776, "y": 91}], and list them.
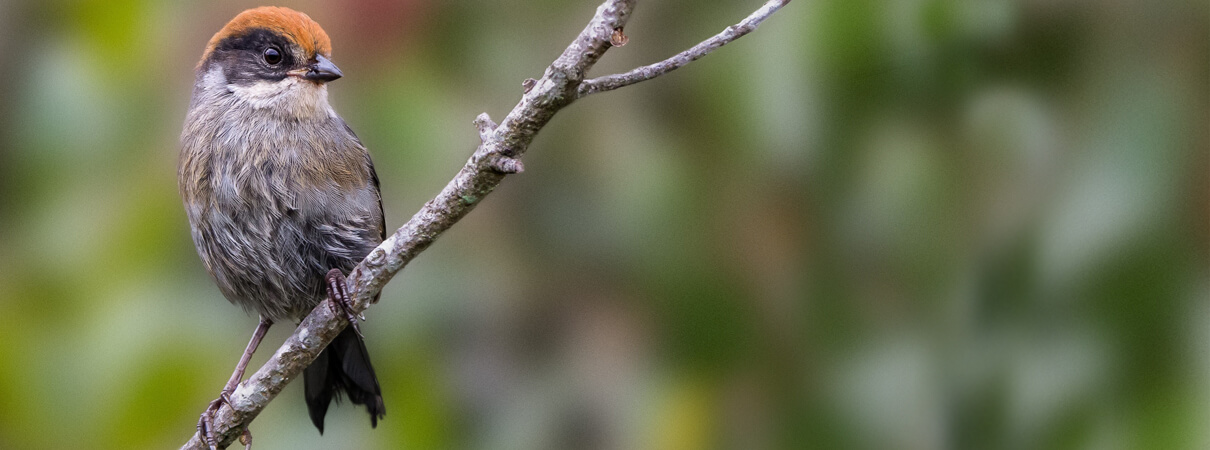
[
  {"x": 205, "y": 428},
  {"x": 246, "y": 439},
  {"x": 336, "y": 291}
]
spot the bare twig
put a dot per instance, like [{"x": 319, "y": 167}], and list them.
[
  {"x": 611, "y": 82},
  {"x": 498, "y": 154}
]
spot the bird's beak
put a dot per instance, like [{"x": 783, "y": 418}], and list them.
[{"x": 322, "y": 71}]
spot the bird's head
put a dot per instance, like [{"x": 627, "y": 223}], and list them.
[{"x": 268, "y": 55}]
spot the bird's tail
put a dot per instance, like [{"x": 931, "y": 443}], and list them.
[{"x": 343, "y": 367}]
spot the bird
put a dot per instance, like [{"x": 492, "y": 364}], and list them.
[{"x": 281, "y": 196}]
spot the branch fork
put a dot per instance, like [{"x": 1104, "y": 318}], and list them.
[{"x": 495, "y": 158}]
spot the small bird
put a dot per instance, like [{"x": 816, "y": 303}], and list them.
[{"x": 282, "y": 197}]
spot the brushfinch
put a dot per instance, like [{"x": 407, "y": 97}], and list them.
[{"x": 281, "y": 196}]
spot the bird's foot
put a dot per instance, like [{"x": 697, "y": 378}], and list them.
[
  {"x": 335, "y": 281},
  {"x": 205, "y": 424}
]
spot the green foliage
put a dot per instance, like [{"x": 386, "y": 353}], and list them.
[{"x": 929, "y": 224}]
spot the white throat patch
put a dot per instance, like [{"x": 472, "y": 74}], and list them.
[{"x": 292, "y": 96}]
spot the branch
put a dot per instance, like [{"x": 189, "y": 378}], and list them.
[
  {"x": 611, "y": 82},
  {"x": 497, "y": 155}
]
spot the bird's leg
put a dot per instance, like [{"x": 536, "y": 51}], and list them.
[
  {"x": 204, "y": 428},
  {"x": 335, "y": 280}
]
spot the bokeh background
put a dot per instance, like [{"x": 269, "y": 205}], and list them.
[{"x": 918, "y": 224}]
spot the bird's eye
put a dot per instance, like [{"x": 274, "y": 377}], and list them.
[{"x": 272, "y": 55}]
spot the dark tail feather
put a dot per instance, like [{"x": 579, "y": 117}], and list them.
[{"x": 343, "y": 367}]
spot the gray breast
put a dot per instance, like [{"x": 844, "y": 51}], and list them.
[{"x": 272, "y": 223}]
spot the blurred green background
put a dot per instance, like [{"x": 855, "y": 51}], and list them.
[{"x": 918, "y": 224}]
